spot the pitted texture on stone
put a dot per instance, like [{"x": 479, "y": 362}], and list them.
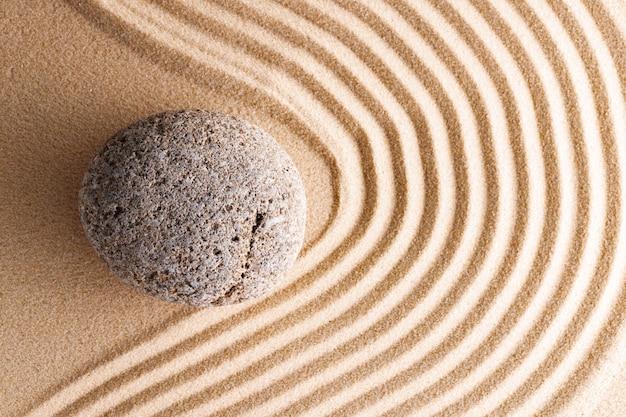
[{"x": 194, "y": 207}]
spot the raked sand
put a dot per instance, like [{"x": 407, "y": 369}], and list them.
[{"x": 464, "y": 164}]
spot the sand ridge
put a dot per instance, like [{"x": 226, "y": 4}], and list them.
[{"x": 462, "y": 256}]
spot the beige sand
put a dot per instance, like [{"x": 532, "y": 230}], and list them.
[{"x": 463, "y": 164}]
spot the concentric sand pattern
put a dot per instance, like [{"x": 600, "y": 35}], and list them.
[{"x": 474, "y": 260}]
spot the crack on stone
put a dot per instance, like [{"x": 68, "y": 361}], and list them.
[
  {"x": 229, "y": 292},
  {"x": 259, "y": 219}
]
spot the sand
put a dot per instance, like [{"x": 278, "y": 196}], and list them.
[{"x": 463, "y": 165}]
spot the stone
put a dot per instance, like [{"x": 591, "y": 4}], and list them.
[{"x": 194, "y": 207}]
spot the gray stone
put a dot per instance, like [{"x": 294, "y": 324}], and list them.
[{"x": 194, "y": 207}]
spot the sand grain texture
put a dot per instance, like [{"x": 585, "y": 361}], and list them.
[{"x": 464, "y": 169}]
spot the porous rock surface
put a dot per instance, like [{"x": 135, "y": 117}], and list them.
[{"x": 194, "y": 207}]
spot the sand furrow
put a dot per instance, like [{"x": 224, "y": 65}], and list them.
[{"x": 468, "y": 260}]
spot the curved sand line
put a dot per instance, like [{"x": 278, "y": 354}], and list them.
[{"x": 400, "y": 345}]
